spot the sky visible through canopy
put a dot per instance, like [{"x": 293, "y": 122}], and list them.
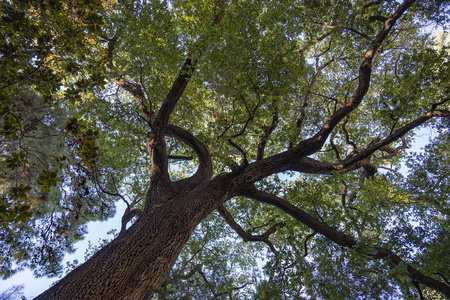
[
  {"x": 98, "y": 230},
  {"x": 210, "y": 153}
]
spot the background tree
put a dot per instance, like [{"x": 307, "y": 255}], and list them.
[
  {"x": 12, "y": 293},
  {"x": 266, "y": 121}
]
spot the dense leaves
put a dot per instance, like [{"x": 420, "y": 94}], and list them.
[{"x": 87, "y": 84}]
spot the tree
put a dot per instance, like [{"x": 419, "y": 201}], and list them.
[
  {"x": 12, "y": 293},
  {"x": 277, "y": 115}
]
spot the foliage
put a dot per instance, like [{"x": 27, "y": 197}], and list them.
[
  {"x": 43, "y": 58},
  {"x": 13, "y": 292},
  {"x": 74, "y": 140}
]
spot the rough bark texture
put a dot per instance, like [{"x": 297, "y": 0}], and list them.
[{"x": 130, "y": 267}]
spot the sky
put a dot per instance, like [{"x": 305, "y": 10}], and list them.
[{"x": 96, "y": 230}]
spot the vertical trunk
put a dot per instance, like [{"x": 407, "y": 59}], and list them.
[{"x": 130, "y": 267}]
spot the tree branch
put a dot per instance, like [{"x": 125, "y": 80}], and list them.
[
  {"x": 232, "y": 289},
  {"x": 306, "y": 242},
  {"x": 161, "y": 188},
  {"x": 268, "y": 130},
  {"x": 393, "y": 152},
  {"x": 246, "y": 236},
  {"x": 347, "y": 135},
  {"x": 127, "y": 216},
  {"x": 205, "y": 168},
  {"x": 133, "y": 88},
  {"x": 443, "y": 277},
  {"x": 416, "y": 284},
  {"x": 319, "y": 39},
  {"x": 349, "y": 163},
  {"x": 236, "y": 146},
  {"x": 299, "y": 214},
  {"x": 295, "y": 159},
  {"x": 365, "y": 71},
  {"x": 344, "y": 28},
  {"x": 335, "y": 149},
  {"x": 302, "y": 118},
  {"x": 180, "y": 83},
  {"x": 342, "y": 239},
  {"x": 435, "y": 105},
  {"x": 175, "y": 93}
]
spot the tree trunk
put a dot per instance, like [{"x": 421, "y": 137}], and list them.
[{"x": 130, "y": 267}]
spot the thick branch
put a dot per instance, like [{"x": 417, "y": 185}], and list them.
[
  {"x": 295, "y": 159},
  {"x": 414, "y": 274},
  {"x": 127, "y": 216},
  {"x": 365, "y": 71},
  {"x": 302, "y": 216},
  {"x": 246, "y": 236},
  {"x": 308, "y": 165},
  {"x": 343, "y": 239},
  {"x": 161, "y": 188},
  {"x": 205, "y": 169},
  {"x": 175, "y": 93},
  {"x": 180, "y": 83}
]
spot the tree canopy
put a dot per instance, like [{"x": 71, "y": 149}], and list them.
[{"x": 257, "y": 146}]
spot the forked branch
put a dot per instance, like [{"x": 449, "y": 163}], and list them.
[
  {"x": 296, "y": 160},
  {"x": 246, "y": 236},
  {"x": 365, "y": 71},
  {"x": 162, "y": 188},
  {"x": 127, "y": 216},
  {"x": 343, "y": 239},
  {"x": 349, "y": 163}
]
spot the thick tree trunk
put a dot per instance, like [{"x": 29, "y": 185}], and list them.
[{"x": 130, "y": 267}]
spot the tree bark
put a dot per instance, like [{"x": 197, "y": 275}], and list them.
[{"x": 131, "y": 266}]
